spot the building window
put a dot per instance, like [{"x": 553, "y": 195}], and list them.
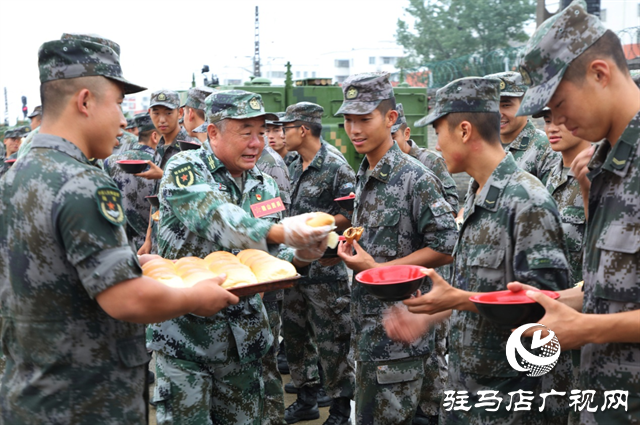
[
  {"x": 297, "y": 74},
  {"x": 603, "y": 15},
  {"x": 389, "y": 61},
  {"x": 276, "y": 74},
  {"x": 342, "y": 63},
  {"x": 306, "y": 74},
  {"x": 372, "y": 60},
  {"x": 313, "y": 74}
]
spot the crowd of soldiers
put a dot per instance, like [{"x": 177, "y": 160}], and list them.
[{"x": 556, "y": 210}]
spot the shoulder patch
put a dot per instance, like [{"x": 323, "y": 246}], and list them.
[
  {"x": 184, "y": 175},
  {"x": 110, "y": 205}
]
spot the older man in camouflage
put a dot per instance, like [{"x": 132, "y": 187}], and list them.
[
  {"x": 511, "y": 230},
  {"x": 401, "y": 133},
  {"x": 68, "y": 277},
  {"x": 406, "y": 221},
  {"x": 578, "y": 68},
  {"x": 316, "y": 319},
  {"x": 135, "y": 189},
  {"x": 209, "y": 368}
]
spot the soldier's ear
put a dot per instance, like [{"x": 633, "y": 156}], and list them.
[
  {"x": 465, "y": 129},
  {"x": 392, "y": 117}
]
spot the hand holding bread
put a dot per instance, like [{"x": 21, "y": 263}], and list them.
[{"x": 307, "y": 230}]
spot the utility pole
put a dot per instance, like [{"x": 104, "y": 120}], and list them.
[{"x": 256, "y": 53}]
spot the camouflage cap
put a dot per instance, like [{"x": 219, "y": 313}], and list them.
[
  {"x": 401, "y": 118},
  {"x": 236, "y": 105},
  {"x": 36, "y": 111},
  {"x": 303, "y": 111},
  {"x": 167, "y": 98},
  {"x": 364, "y": 92},
  {"x": 554, "y": 45},
  {"x": 511, "y": 84},
  {"x": 280, "y": 115},
  {"x": 196, "y": 97},
  {"x": 16, "y": 132},
  {"x": 542, "y": 113},
  {"x": 131, "y": 123},
  {"x": 470, "y": 94},
  {"x": 81, "y": 57},
  {"x": 143, "y": 122},
  {"x": 94, "y": 38},
  {"x": 11, "y": 134}
]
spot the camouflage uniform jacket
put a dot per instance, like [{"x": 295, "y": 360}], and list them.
[
  {"x": 290, "y": 157},
  {"x": 125, "y": 142},
  {"x": 435, "y": 163},
  {"x": 164, "y": 152},
  {"x": 26, "y": 143},
  {"x": 134, "y": 190},
  {"x": 4, "y": 167},
  {"x": 62, "y": 243},
  {"x": 401, "y": 208},
  {"x": 565, "y": 190},
  {"x": 201, "y": 211},
  {"x": 327, "y": 177},
  {"x": 511, "y": 231},
  {"x": 612, "y": 261},
  {"x": 532, "y": 152},
  {"x": 272, "y": 164}
]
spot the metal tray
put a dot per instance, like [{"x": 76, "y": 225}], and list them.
[{"x": 272, "y": 285}]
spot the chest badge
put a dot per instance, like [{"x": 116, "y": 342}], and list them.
[{"x": 258, "y": 197}]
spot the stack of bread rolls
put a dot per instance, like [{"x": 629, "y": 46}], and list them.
[{"x": 249, "y": 267}]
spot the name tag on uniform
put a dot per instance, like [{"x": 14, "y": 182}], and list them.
[{"x": 264, "y": 208}]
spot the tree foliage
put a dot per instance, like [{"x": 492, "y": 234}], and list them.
[{"x": 446, "y": 29}]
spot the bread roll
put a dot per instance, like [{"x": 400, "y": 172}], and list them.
[
  {"x": 173, "y": 281},
  {"x": 353, "y": 233},
  {"x": 273, "y": 269},
  {"x": 250, "y": 253},
  {"x": 194, "y": 278},
  {"x": 321, "y": 219},
  {"x": 219, "y": 255},
  {"x": 156, "y": 262}
]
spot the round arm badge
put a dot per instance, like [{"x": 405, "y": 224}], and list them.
[
  {"x": 184, "y": 175},
  {"x": 110, "y": 205}
]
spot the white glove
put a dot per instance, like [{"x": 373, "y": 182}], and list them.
[
  {"x": 298, "y": 234},
  {"x": 312, "y": 253}
]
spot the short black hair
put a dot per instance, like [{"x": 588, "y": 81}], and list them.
[
  {"x": 314, "y": 127},
  {"x": 144, "y": 136},
  {"x": 199, "y": 112},
  {"x": 487, "y": 124},
  {"x": 55, "y": 94},
  {"x": 387, "y": 105},
  {"x": 403, "y": 127},
  {"x": 608, "y": 46}
]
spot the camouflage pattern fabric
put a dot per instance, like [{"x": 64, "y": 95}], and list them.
[
  {"x": 134, "y": 191},
  {"x": 401, "y": 208},
  {"x": 436, "y": 164},
  {"x": 165, "y": 151},
  {"x": 565, "y": 190},
  {"x": 273, "y": 413},
  {"x": 235, "y": 104},
  {"x": 400, "y": 120},
  {"x": 36, "y": 111},
  {"x": 92, "y": 38},
  {"x": 194, "y": 393},
  {"x": 388, "y": 392},
  {"x": 316, "y": 320},
  {"x": 196, "y": 97},
  {"x": 557, "y": 41},
  {"x": 131, "y": 123},
  {"x": 470, "y": 94},
  {"x": 143, "y": 122},
  {"x": 303, "y": 111},
  {"x": 362, "y": 93},
  {"x": 79, "y": 57},
  {"x": 125, "y": 143},
  {"x": 167, "y": 98},
  {"x": 511, "y": 84},
  {"x": 290, "y": 157},
  {"x": 612, "y": 270},
  {"x": 4, "y": 166},
  {"x": 62, "y": 242},
  {"x": 511, "y": 231},
  {"x": 272, "y": 164},
  {"x": 25, "y": 146}
]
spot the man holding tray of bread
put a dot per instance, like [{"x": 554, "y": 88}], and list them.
[
  {"x": 316, "y": 311},
  {"x": 72, "y": 295},
  {"x": 406, "y": 220},
  {"x": 209, "y": 368}
]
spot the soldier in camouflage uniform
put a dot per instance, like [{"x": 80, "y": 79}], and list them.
[
  {"x": 275, "y": 136},
  {"x": 132, "y": 127},
  {"x": 12, "y": 141},
  {"x": 194, "y": 112},
  {"x": 406, "y": 221},
  {"x": 36, "y": 118},
  {"x": 66, "y": 267},
  {"x": 561, "y": 63},
  {"x": 511, "y": 230},
  {"x": 271, "y": 163},
  {"x": 135, "y": 189},
  {"x": 209, "y": 368},
  {"x": 401, "y": 133},
  {"x": 316, "y": 319}
]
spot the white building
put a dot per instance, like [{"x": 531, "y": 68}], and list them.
[
  {"x": 618, "y": 15},
  {"x": 339, "y": 65}
]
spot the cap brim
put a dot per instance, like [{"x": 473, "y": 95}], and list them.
[
  {"x": 541, "y": 113},
  {"x": 537, "y": 97},
  {"x": 267, "y": 116},
  {"x": 201, "y": 128},
  {"x": 33, "y": 115},
  {"x": 165, "y": 104},
  {"x": 512, "y": 94},
  {"x": 129, "y": 87},
  {"x": 429, "y": 119},
  {"x": 357, "y": 108}
]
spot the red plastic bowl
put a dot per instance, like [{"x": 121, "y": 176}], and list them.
[
  {"x": 346, "y": 202},
  {"x": 133, "y": 166},
  {"x": 10, "y": 161},
  {"x": 510, "y": 309},
  {"x": 392, "y": 283},
  {"x": 187, "y": 146}
]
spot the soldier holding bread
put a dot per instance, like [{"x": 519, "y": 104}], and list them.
[{"x": 209, "y": 368}]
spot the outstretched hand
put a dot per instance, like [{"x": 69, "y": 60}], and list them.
[
  {"x": 441, "y": 297},
  {"x": 153, "y": 173},
  {"x": 406, "y": 327}
]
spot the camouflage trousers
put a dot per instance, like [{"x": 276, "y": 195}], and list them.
[
  {"x": 196, "y": 393},
  {"x": 562, "y": 378},
  {"x": 273, "y": 413},
  {"x": 316, "y": 324},
  {"x": 390, "y": 392}
]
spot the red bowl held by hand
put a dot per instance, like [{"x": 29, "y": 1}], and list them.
[
  {"x": 346, "y": 202},
  {"x": 392, "y": 283},
  {"x": 510, "y": 309},
  {"x": 133, "y": 166}
]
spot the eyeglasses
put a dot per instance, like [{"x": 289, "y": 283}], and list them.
[{"x": 292, "y": 126}]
